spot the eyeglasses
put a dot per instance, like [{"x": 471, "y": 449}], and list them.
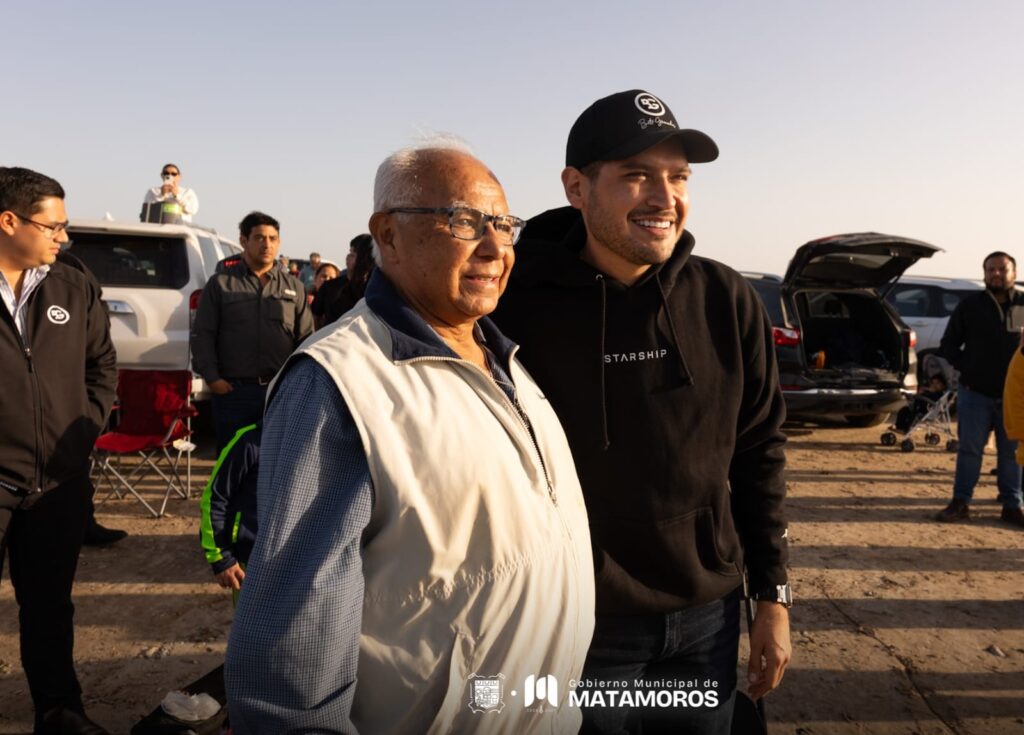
[
  {"x": 51, "y": 231},
  {"x": 170, "y": 173},
  {"x": 467, "y": 223}
]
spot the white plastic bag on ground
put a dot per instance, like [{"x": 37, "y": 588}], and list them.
[{"x": 190, "y": 707}]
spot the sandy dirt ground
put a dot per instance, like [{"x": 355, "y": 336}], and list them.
[{"x": 902, "y": 625}]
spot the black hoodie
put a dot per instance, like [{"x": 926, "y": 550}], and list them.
[
  {"x": 979, "y": 341},
  {"x": 668, "y": 392}
]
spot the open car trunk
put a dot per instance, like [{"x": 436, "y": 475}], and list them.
[{"x": 850, "y": 339}]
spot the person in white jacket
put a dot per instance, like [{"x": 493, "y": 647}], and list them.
[
  {"x": 170, "y": 189},
  {"x": 423, "y": 560}
]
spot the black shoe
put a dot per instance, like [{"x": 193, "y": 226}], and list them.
[
  {"x": 1013, "y": 515},
  {"x": 957, "y": 510},
  {"x": 97, "y": 535},
  {"x": 64, "y": 721}
]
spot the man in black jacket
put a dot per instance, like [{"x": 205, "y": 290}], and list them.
[
  {"x": 660, "y": 365},
  {"x": 60, "y": 378},
  {"x": 251, "y": 316},
  {"x": 979, "y": 341}
]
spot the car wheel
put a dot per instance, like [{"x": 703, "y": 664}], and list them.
[
  {"x": 907, "y": 445},
  {"x": 867, "y": 419}
]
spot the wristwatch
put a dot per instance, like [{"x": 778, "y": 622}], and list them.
[{"x": 781, "y": 593}]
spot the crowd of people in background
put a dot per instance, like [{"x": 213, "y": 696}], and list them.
[{"x": 403, "y": 499}]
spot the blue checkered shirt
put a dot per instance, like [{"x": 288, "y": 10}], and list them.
[{"x": 294, "y": 646}]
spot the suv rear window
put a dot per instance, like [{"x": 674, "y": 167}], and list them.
[
  {"x": 912, "y": 300},
  {"x": 769, "y": 290},
  {"x": 133, "y": 260},
  {"x": 952, "y": 299}
]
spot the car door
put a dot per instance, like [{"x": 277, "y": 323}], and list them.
[{"x": 916, "y": 305}]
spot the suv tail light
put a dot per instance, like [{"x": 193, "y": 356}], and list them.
[
  {"x": 193, "y": 304},
  {"x": 785, "y": 337},
  {"x": 912, "y": 338}
]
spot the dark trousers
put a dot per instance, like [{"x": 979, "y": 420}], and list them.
[
  {"x": 681, "y": 650},
  {"x": 241, "y": 407},
  {"x": 43, "y": 537}
]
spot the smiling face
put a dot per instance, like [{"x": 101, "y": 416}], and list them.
[
  {"x": 634, "y": 209},
  {"x": 450, "y": 282}
]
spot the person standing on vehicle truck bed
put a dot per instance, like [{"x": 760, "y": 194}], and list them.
[
  {"x": 982, "y": 334},
  {"x": 250, "y": 319},
  {"x": 171, "y": 190},
  {"x": 60, "y": 377}
]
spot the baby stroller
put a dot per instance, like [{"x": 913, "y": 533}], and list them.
[{"x": 928, "y": 413}]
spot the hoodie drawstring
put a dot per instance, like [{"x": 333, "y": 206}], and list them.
[
  {"x": 687, "y": 375},
  {"x": 604, "y": 393}
]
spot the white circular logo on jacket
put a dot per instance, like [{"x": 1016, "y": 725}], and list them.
[
  {"x": 58, "y": 315},
  {"x": 649, "y": 104}
]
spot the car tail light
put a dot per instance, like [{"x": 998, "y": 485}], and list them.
[
  {"x": 785, "y": 337},
  {"x": 193, "y": 304},
  {"x": 913, "y": 338}
]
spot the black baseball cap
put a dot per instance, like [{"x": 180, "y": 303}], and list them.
[{"x": 623, "y": 124}]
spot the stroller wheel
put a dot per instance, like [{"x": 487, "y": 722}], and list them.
[
  {"x": 888, "y": 439},
  {"x": 952, "y": 445},
  {"x": 932, "y": 440},
  {"x": 907, "y": 445}
]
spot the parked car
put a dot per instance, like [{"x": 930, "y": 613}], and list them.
[
  {"x": 925, "y": 305},
  {"x": 842, "y": 349},
  {"x": 152, "y": 276}
]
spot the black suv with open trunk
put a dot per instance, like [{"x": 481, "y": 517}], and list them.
[{"x": 842, "y": 349}]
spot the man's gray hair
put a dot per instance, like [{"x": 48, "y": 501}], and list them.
[{"x": 397, "y": 182}]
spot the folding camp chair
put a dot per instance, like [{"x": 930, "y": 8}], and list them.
[{"x": 154, "y": 420}]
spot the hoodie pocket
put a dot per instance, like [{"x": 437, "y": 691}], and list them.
[
  {"x": 694, "y": 535},
  {"x": 681, "y": 557}
]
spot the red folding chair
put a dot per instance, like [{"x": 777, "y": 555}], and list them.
[{"x": 154, "y": 420}]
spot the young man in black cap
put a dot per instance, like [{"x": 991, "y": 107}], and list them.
[{"x": 660, "y": 365}]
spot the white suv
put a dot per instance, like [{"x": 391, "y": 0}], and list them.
[
  {"x": 925, "y": 305},
  {"x": 152, "y": 276}
]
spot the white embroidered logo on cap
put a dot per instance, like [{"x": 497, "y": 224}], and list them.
[
  {"x": 58, "y": 315},
  {"x": 649, "y": 104}
]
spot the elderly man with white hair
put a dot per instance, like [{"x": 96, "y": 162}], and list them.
[{"x": 423, "y": 559}]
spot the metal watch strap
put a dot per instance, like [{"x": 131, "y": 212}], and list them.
[{"x": 781, "y": 593}]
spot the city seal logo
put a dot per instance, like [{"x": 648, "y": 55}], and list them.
[
  {"x": 58, "y": 315},
  {"x": 485, "y": 693},
  {"x": 649, "y": 104}
]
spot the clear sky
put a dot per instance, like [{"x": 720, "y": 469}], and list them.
[{"x": 902, "y": 116}]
